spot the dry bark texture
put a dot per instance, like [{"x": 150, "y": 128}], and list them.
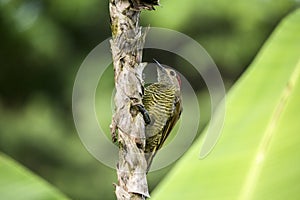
[{"x": 128, "y": 126}]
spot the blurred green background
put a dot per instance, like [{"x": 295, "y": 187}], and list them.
[{"x": 43, "y": 43}]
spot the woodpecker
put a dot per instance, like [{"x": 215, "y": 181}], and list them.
[{"x": 162, "y": 101}]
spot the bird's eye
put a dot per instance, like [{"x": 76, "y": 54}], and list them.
[{"x": 172, "y": 73}]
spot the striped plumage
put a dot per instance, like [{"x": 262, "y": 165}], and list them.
[{"x": 162, "y": 100}]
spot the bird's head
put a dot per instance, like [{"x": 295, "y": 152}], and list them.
[{"x": 168, "y": 76}]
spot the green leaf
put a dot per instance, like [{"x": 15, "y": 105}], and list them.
[
  {"x": 258, "y": 153},
  {"x": 17, "y": 183}
]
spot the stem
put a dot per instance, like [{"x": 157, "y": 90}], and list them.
[{"x": 128, "y": 126}]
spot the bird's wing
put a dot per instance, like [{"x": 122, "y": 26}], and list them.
[{"x": 171, "y": 122}]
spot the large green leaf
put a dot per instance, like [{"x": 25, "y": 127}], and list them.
[
  {"x": 258, "y": 154},
  {"x": 17, "y": 183}
]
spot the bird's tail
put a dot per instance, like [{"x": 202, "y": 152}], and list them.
[{"x": 149, "y": 158}]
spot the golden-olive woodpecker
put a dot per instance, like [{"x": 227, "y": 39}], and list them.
[{"x": 162, "y": 101}]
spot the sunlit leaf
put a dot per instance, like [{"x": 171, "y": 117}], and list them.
[
  {"x": 17, "y": 183},
  {"x": 257, "y": 156}
]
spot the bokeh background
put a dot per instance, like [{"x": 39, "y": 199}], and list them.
[{"x": 43, "y": 43}]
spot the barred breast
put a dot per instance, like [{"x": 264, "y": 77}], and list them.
[{"x": 159, "y": 100}]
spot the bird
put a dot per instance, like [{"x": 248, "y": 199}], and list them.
[{"x": 163, "y": 102}]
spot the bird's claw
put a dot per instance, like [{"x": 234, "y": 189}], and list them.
[{"x": 144, "y": 112}]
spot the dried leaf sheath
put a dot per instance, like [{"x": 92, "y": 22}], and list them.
[{"x": 128, "y": 126}]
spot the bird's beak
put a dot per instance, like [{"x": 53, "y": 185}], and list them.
[
  {"x": 161, "y": 72},
  {"x": 160, "y": 68}
]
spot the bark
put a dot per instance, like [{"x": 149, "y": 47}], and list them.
[{"x": 128, "y": 126}]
